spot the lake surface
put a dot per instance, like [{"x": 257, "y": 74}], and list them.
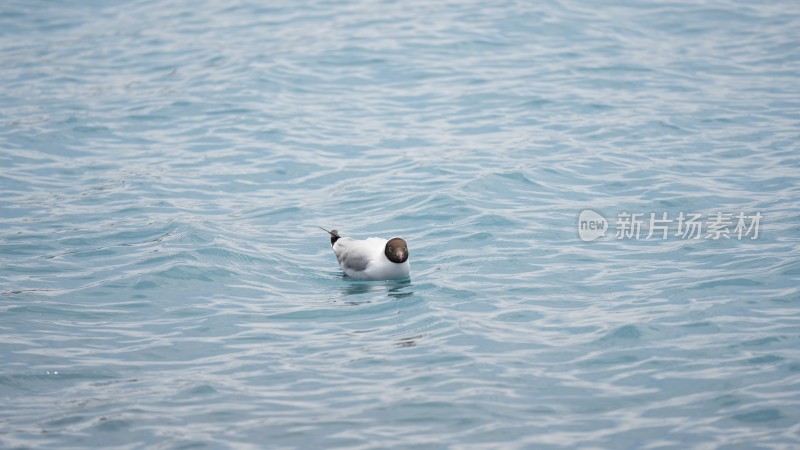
[{"x": 164, "y": 166}]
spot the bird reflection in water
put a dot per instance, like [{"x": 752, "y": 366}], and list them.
[
  {"x": 393, "y": 288},
  {"x": 396, "y": 289}
]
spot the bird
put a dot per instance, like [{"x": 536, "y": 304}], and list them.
[{"x": 374, "y": 259}]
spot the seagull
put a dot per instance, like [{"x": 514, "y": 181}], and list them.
[{"x": 371, "y": 259}]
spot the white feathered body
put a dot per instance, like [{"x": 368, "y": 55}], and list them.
[{"x": 365, "y": 260}]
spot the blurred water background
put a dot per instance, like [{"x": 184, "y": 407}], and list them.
[{"x": 163, "y": 166}]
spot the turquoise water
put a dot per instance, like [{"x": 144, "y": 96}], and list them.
[{"x": 164, "y": 165}]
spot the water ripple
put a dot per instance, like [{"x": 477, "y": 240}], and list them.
[{"x": 163, "y": 169}]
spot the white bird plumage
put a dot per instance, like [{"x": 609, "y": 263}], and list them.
[{"x": 369, "y": 259}]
